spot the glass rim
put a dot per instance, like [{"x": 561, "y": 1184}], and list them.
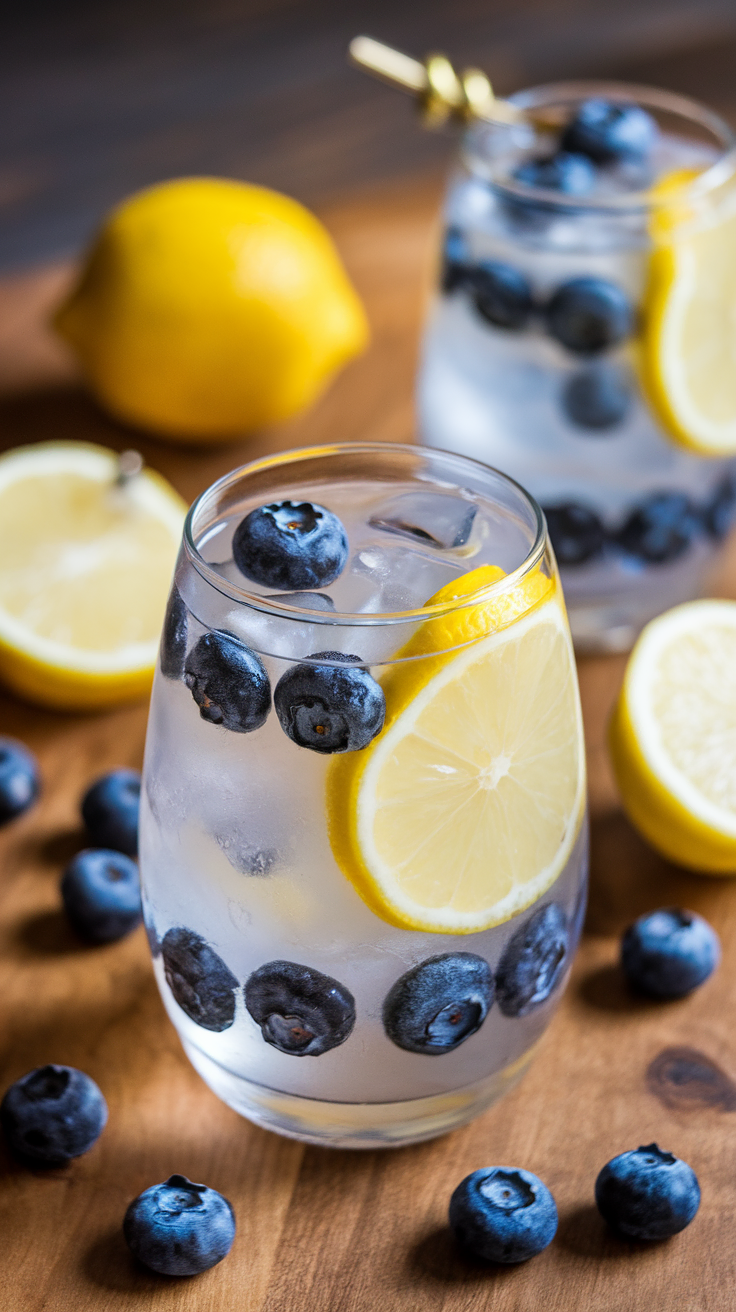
[
  {"x": 723, "y": 168},
  {"x": 346, "y": 619}
]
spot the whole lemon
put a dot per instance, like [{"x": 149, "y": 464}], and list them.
[{"x": 207, "y": 308}]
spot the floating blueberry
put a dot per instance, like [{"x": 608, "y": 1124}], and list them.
[
  {"x": 330, "y": 708},
  {"x": 455, "y": 261},
  {"x": 179, "y": 1228},
  {"x": 669, "y": 952},
  {"x": 503, "y": 1214},
  {"x": 438, "y": 1004},
  {"x": 647, "y": 1193},
  {"x": 307, "y": 600},
  {"x": 300, "y": 1011},
  {"x": 588, "y": 315},
  {"x": 597, "y": 399},
  {"x": 720, "y": 511},
  {"x": 660, "y": 529},
  {"x": 501, "y": 294},
  {"x": 101, "y": 892},
  {"x": 574, "y": 175},
  {"x": 607, "y": 132},
  {"x": 52, "y": 1114},
  {"x": 291, "y": 545},
  {"x": 576, "y": 532},
  {"x": 533, "y": 961},
  {"x": 19, "y": 779},
  {"x": 200, "y": 981},
  {"x": 228, "y": 682},
  {"x": 174, "y": 636},
  {"x": 110, "y": 810}
]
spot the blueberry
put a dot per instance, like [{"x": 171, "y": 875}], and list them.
[
  {"x": 576, "y": 532},
  {"x": 291, "y": 545},
  {"x": 300, "y": 1011},
  {"x": 455, "y": 261},
  {"x": 501, "y": 294},
  {"x": 574, "y": 175},
  {"x": 228, "y": 682},
  {"x": 606, "y": 132},
  {"x": 110, "y": 810},
  {"x": 597, "y": 399},
  {"x": 587, "y": 315},
  {"x": 503, "y": 1214},
  {"x": 533, "y": 961},
  {"x": 174, "y": 637},
  {"x": 179, "y": 1228},
  {"x": 660, "y": 529},
  {"x": 19, "y": 779},
  {"x": 720, "y": 511},
  {"x": 307, "y": 600},
  {"x": 52, "y": 1114},
  {"x": 438, "y": 1004},
  {"x": 101, "y": 892},
  {"x": 330, "y": 708},
  {"x": 668, "y": 953},
  {"x": 647, "y": 1193},
  {"x": 200, "y": 981}
]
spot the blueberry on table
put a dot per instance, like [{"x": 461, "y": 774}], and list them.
[
  {"x": 52, "y": 1114},
  {"x": 533, "y": 961},
  {"x": 300, "y": 1011},
  {"x": 647, "y": 1193},
  {"x": 101, "y": 892},
  {"x": 576, "y": 532},
  {"x": 720, "y": 511},
  {"x": 597, "y": 399},
  {"x": 606, "y": 132},
  {"x": 179, "y": 1228},
  {"x": 174, "y": 637},
  {"x": 438, "y": 1004},
  {"x": 228, "y": 682},
  {"x": 503, "y": 1214},
  {"x": 291, "y": 545},
  {"x": 588, "y": 315},
  {"x": 455, "y": 261},
  {"x": 573, "y": 175},
  {"x": 19, "y": 779},
  {"x": 501, "y": 294},
  {"x": 110, "y": 811},
  {"x": 202, "y": 985},
  {"x": 330, "y": 708},
  {"x": 669, "y": 952},
  {"x": 660, "y": 529}
]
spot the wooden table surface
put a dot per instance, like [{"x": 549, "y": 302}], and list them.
[{"x": 326, "y": 1230}]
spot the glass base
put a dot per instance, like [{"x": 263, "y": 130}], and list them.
[{"x": 355, "y": 1125}]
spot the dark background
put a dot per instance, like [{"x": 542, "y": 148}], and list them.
[{"x": 99, "y": 97}]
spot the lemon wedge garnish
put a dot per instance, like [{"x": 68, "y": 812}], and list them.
[
  {"x": 85, "y": 568},
  {"x": 673, "y": 735},
  {"x": 465, "y": 808}
]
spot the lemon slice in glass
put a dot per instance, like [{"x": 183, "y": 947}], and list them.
[
  {"x": 673, "y": 735},
  {"x": 465, "y": 808},
  {"x": 85, "y": 566}
]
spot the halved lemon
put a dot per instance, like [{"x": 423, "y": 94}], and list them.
[
  {"x": 85, "y": 566},
  {"x": 673, "y": 736},
  {"x": 465, "y": 808}
]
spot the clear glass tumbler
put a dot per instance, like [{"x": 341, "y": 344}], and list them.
[{"x": 363, "y": 838}]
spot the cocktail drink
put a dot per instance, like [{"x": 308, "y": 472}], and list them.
[
  {"x": 583, "y": 338},
  {"x": 363, "y": 841}
]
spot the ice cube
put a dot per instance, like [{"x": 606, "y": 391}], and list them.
[
  {"x": 244, "y": 857},
  {"x": 401, "y": 579},
  {"x": 433, "y": 518}
]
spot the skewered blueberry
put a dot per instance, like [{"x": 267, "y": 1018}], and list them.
[
  {"x": 174, "y": 636},
  {"x": 228, "y": 682},
  {"x": 101, "y": 892},
  {"x": 501, "y": 294},
  {"x": 533, "y": 961},
  {"x": 52, "y": 1114},
  {"x": 438, "y": 1004},
  {"x": 503, "y": 1214},
  {"x": 576, "y": 533},
  {"x": 300, "y": 1011},
  {"x": 291, "y": 545},
  {"x": 647, "y": 1193},
  {"x": 179, "y": 1228},
  {"x": 330, "y": 708},
  {"x": 574, "y": 175},
  {"x": 307, "y": 600},
  {"x": 597, "y": 399},
  {"x": 455, "y": 261},
  {"x": 19, "y": 779},
  {"x": 720, "y": 510},
  {"x": 660, "y": 529},
  {"x": 110, "y": 810},
  {"x": 607, "y": 132},
  {"x": 668, "y": 953},
  {"x": 587, "y": 315},
  {"x": 200, "y": 981}
]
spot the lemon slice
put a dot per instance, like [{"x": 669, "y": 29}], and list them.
[
  {"x": 465, "y": 808},
  {"x": 673, "y": 735},
  {"x": 85, "y": 567}
]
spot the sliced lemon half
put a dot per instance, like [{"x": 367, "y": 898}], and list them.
[
  {"x": 673, "y": 736},
  {"x": 465, "y": 808},
  {"x": 85, "y": 566}
]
